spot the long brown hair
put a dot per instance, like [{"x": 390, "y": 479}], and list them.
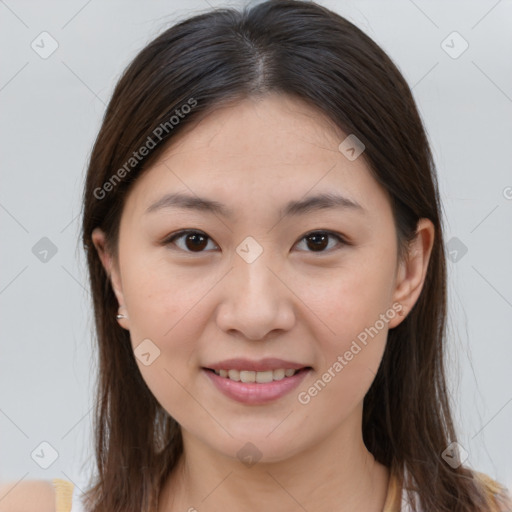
[{"x": 306, "y": 51}]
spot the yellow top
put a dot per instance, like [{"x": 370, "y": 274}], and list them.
[{"x": 64, "y": 494}]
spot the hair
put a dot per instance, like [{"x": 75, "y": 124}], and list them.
[{"x": 310, "y": 53}]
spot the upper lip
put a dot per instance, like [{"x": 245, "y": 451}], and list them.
[{"x": 255, "y": 366}]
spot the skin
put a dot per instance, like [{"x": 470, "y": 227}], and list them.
[{"x": 292, "y": 302}]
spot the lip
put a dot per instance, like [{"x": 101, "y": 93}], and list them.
[
  {"x": 253, "y": 393},
  {"x": 262, "y": 365}
]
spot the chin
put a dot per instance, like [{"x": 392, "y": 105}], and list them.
[{"x": 256, "y": 447}]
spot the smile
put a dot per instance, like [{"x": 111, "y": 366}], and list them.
[
  {"x": 260, "y": 377},
  {"x": 256, "y": 388}
]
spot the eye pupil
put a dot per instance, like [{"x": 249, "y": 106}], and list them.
[
  {"x": 197, "y": 243},
  {"x": 322, "y": 238}
]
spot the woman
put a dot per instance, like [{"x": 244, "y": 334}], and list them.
[{"x": 265, "y": 247}]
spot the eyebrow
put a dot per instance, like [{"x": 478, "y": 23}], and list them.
[{"x": 297, "y": 207}]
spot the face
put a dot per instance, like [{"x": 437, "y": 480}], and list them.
[{"x": 317, "y": 287}]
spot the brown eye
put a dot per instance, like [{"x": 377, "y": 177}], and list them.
[
  {"x": 197, "y": 241},
  {"x": 193, "y": 241},
  {"x": 318, "y": 241}
]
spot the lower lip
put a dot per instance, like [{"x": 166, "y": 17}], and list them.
[{"x": 254, "y": 393}]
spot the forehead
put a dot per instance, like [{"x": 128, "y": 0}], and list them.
[
  {"x": 259, "y": 151},
  {"x": 277, "y": 129}
]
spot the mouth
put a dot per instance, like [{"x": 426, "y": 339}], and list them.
[
  {"x": 256, "y": 387},
  {"x": 264, "y": 377}
]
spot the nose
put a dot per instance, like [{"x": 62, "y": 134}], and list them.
[{"x": 256, "y": 302}]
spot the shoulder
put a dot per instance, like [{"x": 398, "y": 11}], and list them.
[
  {"x": 497, "y": 494},
  {"x": 27, "y": 496}
]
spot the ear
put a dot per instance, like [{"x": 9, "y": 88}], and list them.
[
  {"x": 112, "y": 270},
  {"x": 413, "y": 270}
]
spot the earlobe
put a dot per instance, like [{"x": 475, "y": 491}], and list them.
[{"x": 413, "y": 270}]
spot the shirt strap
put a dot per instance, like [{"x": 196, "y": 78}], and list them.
[
  {"x": 63, "y": 495},
  {"x": 393, "y": 501}
]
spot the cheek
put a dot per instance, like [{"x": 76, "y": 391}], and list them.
[
  {"x": 354, "y": 311},
  {"x": 349, "y": 298},
  {"x": 156, "y": 300},
  {"x": 161, "y": 298},
  {"x": 167, "y": 308},
  {"x": 350, "y": 343},
  {"x": 168, "y": 321}
]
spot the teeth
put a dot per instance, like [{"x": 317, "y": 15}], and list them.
[
  {"x": 278, "y": 374},
  {"x": 247, "y": 376},
  {"x": 263, "y": 377},
  {"x": 260, "y": 377},
  {"x": 234, "y": 375}
]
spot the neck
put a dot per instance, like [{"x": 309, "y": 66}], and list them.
[{"x": 337, "y": 473}]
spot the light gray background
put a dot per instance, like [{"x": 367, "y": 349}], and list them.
[{"x": 51, "y": 111}]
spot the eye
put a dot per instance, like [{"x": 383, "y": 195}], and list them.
[
  {"x": 197, "y": 241},
  {"x": 194, "y": 241},
  {"x": 319, "y": 240}
]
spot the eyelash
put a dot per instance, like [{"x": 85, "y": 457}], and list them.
[{"x": 180, "y": 234}]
